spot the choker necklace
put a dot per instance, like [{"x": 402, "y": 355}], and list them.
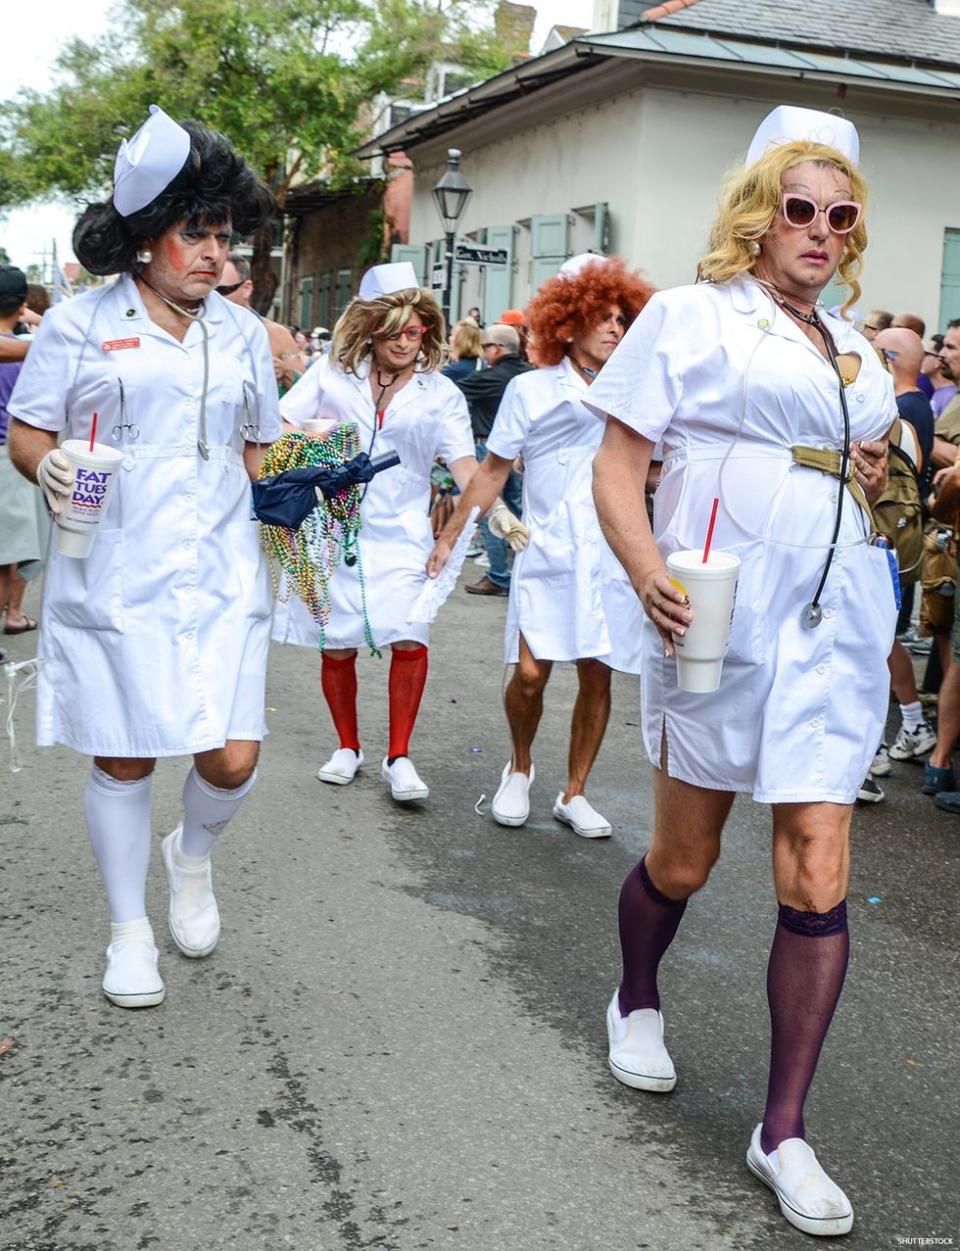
[
  {"x": 812, "y": 318},
  {"x": 591, "y": 373}
]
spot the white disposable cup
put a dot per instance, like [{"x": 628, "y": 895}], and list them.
[
  {"x": 712, "y": 591},
  {"x": 94, "y": 474}
]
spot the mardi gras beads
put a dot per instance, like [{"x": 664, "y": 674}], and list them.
[{"x": 308, "y": 556}]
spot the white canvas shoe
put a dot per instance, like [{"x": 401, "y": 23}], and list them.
[
  {"x": 582, "y": 817},
  {"x": 194, "y": 917},
  {"x": 342, "y": 766},
  {"x": 405, "y": 783},
  {"x": 808, "y": 1198},
  {"x": 511, "y": 804},
  {"x": 637, "y": 1056},
  {"x": 132, "y": 979}
]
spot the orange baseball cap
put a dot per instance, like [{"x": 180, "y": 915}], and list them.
[{"x": 512, "y": 317}]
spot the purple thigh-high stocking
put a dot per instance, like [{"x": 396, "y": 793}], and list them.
[
  {"x": 648, "y": 922},
  {"x": 804, "y": 977}
]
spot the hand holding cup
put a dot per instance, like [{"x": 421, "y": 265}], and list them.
[{"x": 666, "y": 606}]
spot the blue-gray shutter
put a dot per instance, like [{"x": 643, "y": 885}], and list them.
[
  {"x": 498, "y": 279},
  {"x": 412, "y": 252}
]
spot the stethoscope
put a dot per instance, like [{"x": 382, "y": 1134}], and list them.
[
  {"x": 197, "y": 315},
  {"x": 351, "y": 557},
  {"x": 812, "y": 613}
]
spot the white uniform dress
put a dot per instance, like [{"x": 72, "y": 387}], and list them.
[
  {"x": 156, "y": 643},
  {"x": 569, "y": 595},
  {"x": 426, "y": 418},
  {"x": 799, "y": 712}
]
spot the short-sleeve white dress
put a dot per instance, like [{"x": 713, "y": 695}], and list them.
[
  {"x": 426, "y": 418},
  {"x": 715, "y": 369}
]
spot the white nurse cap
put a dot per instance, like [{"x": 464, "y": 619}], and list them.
[
  {"x": 388, "y": 279},
  {"x": 572, "y": 267},
  {"x": 148, "y": 163},
  {"x": 787, "y": 123}
]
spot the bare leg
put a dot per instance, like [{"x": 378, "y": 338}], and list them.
[
  {"x": 523, "y": 703},
  {"x": 948, "y": 719},
  {"x": 591, "y": 712},
  {"x": 14, "y": 600},
  {"x": 5, "y": 571},
  {"x": 901, "y": 675}
]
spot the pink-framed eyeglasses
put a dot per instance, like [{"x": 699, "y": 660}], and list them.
[
  {"x": 408, "y": 332},
  {"x": 799, "y": 211}
]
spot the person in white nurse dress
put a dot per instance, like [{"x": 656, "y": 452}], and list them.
[
  {"x": 734, "y": 375},
  {"x": 155, "y": 644},
  {"x": 570, "y": 599},
  {"x": 382, "y": 376}
]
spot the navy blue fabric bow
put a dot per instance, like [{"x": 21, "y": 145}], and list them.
[{"x": 288, "y": 498}]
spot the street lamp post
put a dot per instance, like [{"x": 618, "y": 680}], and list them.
[{"x": 450, "y": 196}]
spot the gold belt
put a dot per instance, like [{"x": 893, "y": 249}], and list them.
[{"x": 826, "y": 460}]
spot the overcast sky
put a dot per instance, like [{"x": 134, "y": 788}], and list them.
[{"x": 30, "y": 46}]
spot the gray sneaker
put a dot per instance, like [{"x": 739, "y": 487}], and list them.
[
  {"x": 869, "y": 792},
  {"x": 912, "y": 744}
]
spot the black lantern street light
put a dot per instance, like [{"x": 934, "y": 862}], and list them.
[{"x": 450, "y": 196}]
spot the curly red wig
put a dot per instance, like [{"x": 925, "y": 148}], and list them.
[{"x": 565, "y": 308}]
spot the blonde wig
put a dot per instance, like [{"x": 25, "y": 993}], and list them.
[
  {"x": 364, "y": 320},
  {"x": 750, "y": 201},
  {"x": 466, "y": 342}
]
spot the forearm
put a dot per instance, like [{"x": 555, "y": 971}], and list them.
[
  {"x": 13, "y": 349},
  {"x": 482, "y": 488},
  {"x": 944, "y": 453},
  {"x": 618, "y": 492},
  {"x": 28, "y": 445},
  {"x": 253, "y": 454}
]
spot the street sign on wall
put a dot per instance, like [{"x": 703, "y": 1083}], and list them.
[{"x": 478, "y": 254}]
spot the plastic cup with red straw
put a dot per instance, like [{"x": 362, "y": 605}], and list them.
[
  {"x": 95, "y": 467},
  {"x": 708, "y": 578}
]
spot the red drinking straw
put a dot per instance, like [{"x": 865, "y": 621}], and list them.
[
  {"x": 93, "y": 439},
  {"x": 713, "y": 522}
]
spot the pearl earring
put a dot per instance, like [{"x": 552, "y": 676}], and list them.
[
  {"x": 144, "y": 256},
  {"x": 754, "y": 248}
]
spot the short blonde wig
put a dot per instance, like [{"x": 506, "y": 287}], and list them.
[
  {"x": 466, "y": 342},
  {"x": 749, "y": 204},
  {"x": 363, "y": 320}
]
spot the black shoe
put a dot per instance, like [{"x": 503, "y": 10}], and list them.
[{"x": 869, "y": 792}]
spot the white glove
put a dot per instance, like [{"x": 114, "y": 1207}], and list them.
[
  {"x": 505, "y": 526},
  {"x": 55, "y": 477}
]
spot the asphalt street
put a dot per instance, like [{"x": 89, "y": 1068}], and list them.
[{"x": 400, "y": 1040}]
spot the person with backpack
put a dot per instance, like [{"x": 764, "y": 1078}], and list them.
[{"x": 898, "y": 515}]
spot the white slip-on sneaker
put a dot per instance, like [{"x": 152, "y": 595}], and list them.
[
  {"x": 405, "y": 783},
  {"x": 132, "y": 979},
  {"x": 637, "y": 1056},
  {"x": 194, "y": 917},
  {"x": 582, "y": 817},
  {"x": 808, "y": 1198},
  {"x": 511, "y": 804},
  {"x": 342, "y": 766}
]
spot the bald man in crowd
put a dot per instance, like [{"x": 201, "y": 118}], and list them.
[{"x": 236, "y": 285}]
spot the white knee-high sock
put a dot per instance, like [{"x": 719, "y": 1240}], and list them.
[
  {"x": 118, "y": 824},
  {"x": 206, "y": 810}
]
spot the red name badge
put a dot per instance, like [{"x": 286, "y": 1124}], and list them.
[{"x": 118, "y": 345}]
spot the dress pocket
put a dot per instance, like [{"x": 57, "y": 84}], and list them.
[{"x": 87, "y": 594}]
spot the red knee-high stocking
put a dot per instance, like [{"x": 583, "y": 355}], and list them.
[
  {"x": 408, "y": 677},
  {"x": 339, "y": 681}
]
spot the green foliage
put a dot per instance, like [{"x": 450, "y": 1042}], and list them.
[{"x": 289, "y": 82}]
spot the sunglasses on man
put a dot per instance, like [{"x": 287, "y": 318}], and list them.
[
  {"x": 231, "y": 287},
  {"x": 800, "y": 211}
]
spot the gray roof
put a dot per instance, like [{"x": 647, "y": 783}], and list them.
[{"x": 911, "y": 30}]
